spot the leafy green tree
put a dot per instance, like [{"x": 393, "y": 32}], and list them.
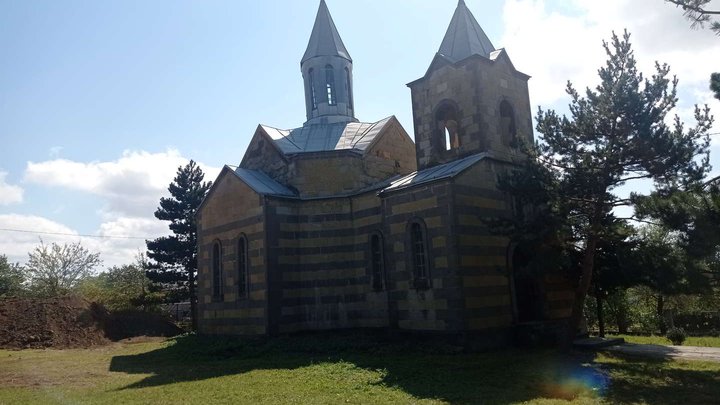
[
  {"x": 693, "y": 213},
  {"x": 55, "y": 269},
  {"x": 175, "y": 257},
  {"x": 666, "y": 267},
  {"x": 12, "y": 278},
  {"x": 125, "y": 287},
  {"x": 616, "y": 134}
]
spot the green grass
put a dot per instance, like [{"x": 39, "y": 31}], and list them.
[
  {"x": 342, "y": 368},
  {"x": 661, "y": 340}
]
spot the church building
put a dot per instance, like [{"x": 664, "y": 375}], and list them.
[{"x": 342, "y": 224}]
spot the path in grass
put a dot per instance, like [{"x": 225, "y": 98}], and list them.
[
  {"x": 702, "y": 341},
  {"x": 340, "y": 369}
]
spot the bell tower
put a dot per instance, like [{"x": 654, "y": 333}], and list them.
[
  {"x": 471, "y": 99},
  {"x": 327, "y": 73}
]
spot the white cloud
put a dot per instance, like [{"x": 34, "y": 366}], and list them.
[
  {"x": 131, "y": 186},
  {"x": 16, "y": 245},
  {"x": 555, "y": 46},
  {"x": 9, "y": 194},
  {"x": 118, "y": 241}
]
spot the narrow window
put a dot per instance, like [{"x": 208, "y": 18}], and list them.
[
  {"x": 313, "y": 97},
  {"x": 242, "y": 266},
  {"x": 217, "y": 271},
  {"x": 330, "y": 84},
  {"x": 348, "y": 88},
  {"x": 419, "y": 258},
  {"x": 508, "y": 132},
  {"x": 377, "y": 261},
  {"x": 447, "y": 119}
]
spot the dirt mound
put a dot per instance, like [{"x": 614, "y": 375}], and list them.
[
  {"x": 58, "y": 322},
  {"x": 72, "y": 322}
]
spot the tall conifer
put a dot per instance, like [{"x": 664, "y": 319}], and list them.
[
  {"x": 616, "y": 134},
  {"x": 175, "y": 256}
]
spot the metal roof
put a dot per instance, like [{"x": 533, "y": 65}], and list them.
[
  {"x": 262, "y": 183},
  {"x": 465, "y": 37},
  {"x": 325, "y": 39},
  {"x": 444, "y": 171},
  {"x": 326, "y": 137}
]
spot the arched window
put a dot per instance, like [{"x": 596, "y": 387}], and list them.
[
  {"x": 242, "y": 266},
  {"x": 313, "y": 96},
  {"x": 377, "y": 261},
  {"x": 330, "y": 84},
  {"x": 217, "y": 271},
  {"x": 419, "y": 252},
  {"x": 348, "y": 87},
  {"x": 508, "y": 132},
  {"x": 447, "y": 119}
]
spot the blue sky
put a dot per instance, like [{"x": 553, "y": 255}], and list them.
[{"x": 100, "y": 101}]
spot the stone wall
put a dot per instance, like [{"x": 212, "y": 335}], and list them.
[
  {"x": 476, "y": 87},
  {"x": 233, "y": 209},
  {"x": 439, "y": 307},
  {"x": 262, "y": 155},
  {"x": 319, "y": 261},
  {"x": 482, "y": 255}
]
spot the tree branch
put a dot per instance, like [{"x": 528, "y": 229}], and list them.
[
  {"x": 689, "y": 7},
  {"x": 711, "y": 182}
]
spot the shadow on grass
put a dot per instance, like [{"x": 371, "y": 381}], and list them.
[
  {"x": 421, "y": 368},
  {"x": 638, "y": 379}
]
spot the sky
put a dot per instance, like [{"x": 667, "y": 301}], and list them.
[{"x": 102, "y": 101}]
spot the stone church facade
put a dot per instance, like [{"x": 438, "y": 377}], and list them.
[{"x": 344, "y": 224}]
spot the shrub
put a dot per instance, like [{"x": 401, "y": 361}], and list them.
[{"x": 677, "y": 336}]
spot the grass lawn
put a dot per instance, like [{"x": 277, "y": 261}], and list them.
[
  {"x": 661, "y": 340},
  {"x": 341, "y": 369}
]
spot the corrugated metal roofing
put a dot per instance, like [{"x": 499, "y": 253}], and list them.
[
  {"x": 263, "y": 184},
  {"x": 446, "y": 170},
  {"x": 465, "y": 37},
  {"x": 326, "y": 137},
  {"x": 325, "y": 39}
]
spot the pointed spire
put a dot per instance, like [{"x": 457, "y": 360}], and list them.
[
  {"x": 325, "y": 39},
  {"x": 464, "y": 37}
]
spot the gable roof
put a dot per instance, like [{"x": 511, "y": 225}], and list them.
[
  {"x": 464, "y": 37},
  {"x": 356, "y": 136},
  {"x": 263, "y": 184},
  {"x": 325, "y": 39},
  {"x": 444, "y": 171}
]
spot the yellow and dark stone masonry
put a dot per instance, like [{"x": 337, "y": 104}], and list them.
[{"x": 343, "y": 224}]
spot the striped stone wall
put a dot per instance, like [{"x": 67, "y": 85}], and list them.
[
  {"x": 482, "y": 255},
  {"x": 233, "y": 209},
  {"x": 319, "y": 264},
  {"x": 439, "y": 307}
]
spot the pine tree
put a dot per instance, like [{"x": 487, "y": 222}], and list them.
[
  {"x": 715, "y": 84},
  {"x": 175, "y": 256},
  {"x": 616, "y": 134}
]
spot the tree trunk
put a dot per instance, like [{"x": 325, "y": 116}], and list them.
[
  {"x": 581, "y": 291},
  {"x": 661, "y": 315},
  {"x": 193, "y": 299},
  {"x": 622, "y": 317},
  {"x": 601, "y": 320}
]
